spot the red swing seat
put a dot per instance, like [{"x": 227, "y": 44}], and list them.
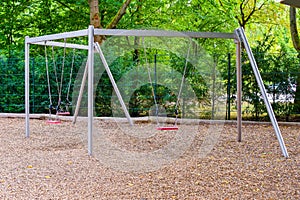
[
  {"x": 63, "y": 113},
  {"x": 50, "y": 121},
  {"x": 167, "y": 128}
]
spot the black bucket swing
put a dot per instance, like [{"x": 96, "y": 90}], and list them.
[
  {"x": 51, "y": 119},
  {"x": 62, "y": 109}
]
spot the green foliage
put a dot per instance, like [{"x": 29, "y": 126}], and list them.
[
  {"x": 278, "y": 79},
  {"x": 142, "y": 101},
  {"x": 267, "y": 25},
  {"x": 11, "y": 85}
]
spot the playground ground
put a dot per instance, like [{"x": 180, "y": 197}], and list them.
[{"x": 53, "y": 164}]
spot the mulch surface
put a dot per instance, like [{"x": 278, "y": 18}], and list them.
[{"x": 53, "y": 163}]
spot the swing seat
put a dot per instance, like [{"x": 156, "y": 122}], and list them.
[
  {"x": 49, "y": 121},
  {"x": 167, "y": 128},
  {"x": 63, "y": 113}
]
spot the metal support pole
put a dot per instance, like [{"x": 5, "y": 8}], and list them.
[
  {"x": 112, "y": 80},
  {"x": 213, "y": 109},
  {"x": 90, "y": 88},
  {"x": 78, "y": 103},
  {"x": 27, "y": 87},
  {"x": 241, "y": 34},
  {"x": 155, "y": 78},
  {"x": 239, "y": 89},
  {"x": 228, "y": 87},
  {"x": 33, "y": 84}
]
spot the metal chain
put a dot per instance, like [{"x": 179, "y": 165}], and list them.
[{"x": 182, "y": 82}]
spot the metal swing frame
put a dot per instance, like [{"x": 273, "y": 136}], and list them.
[{"x": 238, "y": 36}]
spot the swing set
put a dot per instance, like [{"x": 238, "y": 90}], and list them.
[{"x": 50, "y": 40}]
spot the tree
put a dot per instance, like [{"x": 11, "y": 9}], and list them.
[
  {"x": 11, "y": 27},
  {"x": 246, "y": 10},
  {"x": 296, "y": 44},
  {"x": 95, "y": 18},
  {"x": 293, "y": 29}
]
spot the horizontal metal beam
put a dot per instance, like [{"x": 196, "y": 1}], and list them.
[
  {"x": 58, "y": 36},
  {"x": 123, "y": 32},
  {"x": 61, "y": 44},
  {"x": 161, "y": 33}
]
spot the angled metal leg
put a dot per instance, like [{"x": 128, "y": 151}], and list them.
[{"x": 242, "y": 37}]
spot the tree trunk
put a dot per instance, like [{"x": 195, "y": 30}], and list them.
[
  {"x": 296, "y": 43},
  {"x": 95, "y": 18},
  {"x": 96, "y": 21},
  {"x": 293, "y": 29}
]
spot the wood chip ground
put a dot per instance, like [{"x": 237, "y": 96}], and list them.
[{"x": 53, "y": 164}]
